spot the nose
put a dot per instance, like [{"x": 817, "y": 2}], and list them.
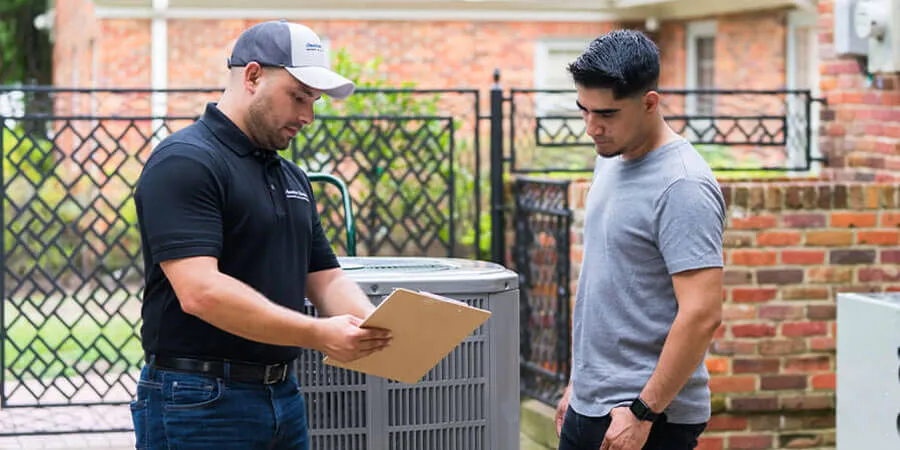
[
  {"x": 594, "y": 126},
  {"x": 307, "y": 115}
]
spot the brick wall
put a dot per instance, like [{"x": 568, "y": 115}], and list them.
[
  {"x": 73, "y": 52},
  {"x": 790, "y": 247},
  {"x": 434, "y": 54},
  {"x": 98, "y": 53},
  {"x": 861, "y": 127},
  {"x": 750, "y": 51}
]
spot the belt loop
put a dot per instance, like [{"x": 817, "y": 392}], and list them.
[
  {"x": 226, "y": 368},
  {"x": 151, "y": 365}
]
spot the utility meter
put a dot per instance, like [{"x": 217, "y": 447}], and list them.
[
  {"x": 872, "y": 19},
  {"x": 878, "y": 21}
]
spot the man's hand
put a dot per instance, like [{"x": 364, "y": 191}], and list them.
[
  {"x": 561, "y": 410},
  {"x": 342, "y": 339},
  {"x": 625, "y": 432}
]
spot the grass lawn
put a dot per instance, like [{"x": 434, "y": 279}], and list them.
[{"x": 35, "y": 346}]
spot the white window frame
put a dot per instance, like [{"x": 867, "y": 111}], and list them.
[
  {"x": 542, "y": 49},
  {"x": 798, "y": 19},
  {"x": 695, "y": 30}
]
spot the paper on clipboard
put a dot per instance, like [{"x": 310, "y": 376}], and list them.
[{"x": 425, "y": 328}]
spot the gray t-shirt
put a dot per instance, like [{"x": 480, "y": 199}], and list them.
[{"x": 645, "y": 220}]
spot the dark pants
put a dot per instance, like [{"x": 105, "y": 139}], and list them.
[
  {"x": 586, "y": 433},
  {"x": 175, "y": 410}
]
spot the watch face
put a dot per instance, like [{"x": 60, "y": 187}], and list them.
[{"x": 640, "y": 410}]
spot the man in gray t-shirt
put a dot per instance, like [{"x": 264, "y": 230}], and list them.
[{"x": 649, "y": 296}]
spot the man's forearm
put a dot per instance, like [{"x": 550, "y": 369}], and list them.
[
  {"x": 235, "y": 307},
  {"x": 344, "y": 296},
  {"x": 682, "y": 353}
]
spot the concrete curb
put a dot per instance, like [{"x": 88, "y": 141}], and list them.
[{"x": 537, "y": 425}]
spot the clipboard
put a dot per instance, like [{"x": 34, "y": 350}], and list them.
[{"x": 425, "y": 329}]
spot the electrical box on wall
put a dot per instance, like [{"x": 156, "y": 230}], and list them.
[
  {"x": 868, "y": 390},
  {"x": 878, "y": 21},
  {"x": 846, "y": 41}
]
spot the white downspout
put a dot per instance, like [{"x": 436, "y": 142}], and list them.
[{"x": 159, "y": 67}]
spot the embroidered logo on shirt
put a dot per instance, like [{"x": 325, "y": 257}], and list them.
[{"x": 298, "y": 195}]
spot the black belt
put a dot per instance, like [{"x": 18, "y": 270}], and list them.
[{"x": 237, "y": 371}]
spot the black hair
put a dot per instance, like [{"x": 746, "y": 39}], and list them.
[{"x": 626, "y": 61}]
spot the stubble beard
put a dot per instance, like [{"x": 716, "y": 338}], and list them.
[{"x": 260, "y": 128}]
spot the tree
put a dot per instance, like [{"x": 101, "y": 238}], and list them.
[
  {"x": 26, "y": 56},
  {"x": 25, "y": 52}
]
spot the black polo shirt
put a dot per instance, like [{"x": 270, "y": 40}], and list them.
[{"x": 206, "y": 190}]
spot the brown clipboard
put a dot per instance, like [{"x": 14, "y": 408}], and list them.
[{"x": 425, "y": 329}]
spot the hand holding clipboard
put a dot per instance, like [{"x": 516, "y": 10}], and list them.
[{"x": 425, "y": 328}]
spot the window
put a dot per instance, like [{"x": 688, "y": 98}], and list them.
[
  {"x": 701, "y": 66},
  {"x": 706, "y": 67},
  {"x": 552, "y": 57},
  {"x": 802, "y": 66},
  {"x": 550, "y": 62},
  {"x": 701, "y": 74}
]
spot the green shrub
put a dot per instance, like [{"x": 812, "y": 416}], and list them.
[
  {"x": 393, "y": 160},
  {"x": 723, "y": 156}
]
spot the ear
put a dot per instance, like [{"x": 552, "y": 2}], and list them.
[
  {"x": 651, "y": 102},
  {"x": 252, "y": 76}
]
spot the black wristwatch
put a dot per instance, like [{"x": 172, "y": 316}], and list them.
[{"x": 642, "y": 411}]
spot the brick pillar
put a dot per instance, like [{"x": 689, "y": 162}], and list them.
[{"x": 861, "y": 124}]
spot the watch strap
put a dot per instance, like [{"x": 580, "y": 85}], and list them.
[{"x": 642, "y": 411}]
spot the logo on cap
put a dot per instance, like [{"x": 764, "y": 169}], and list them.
[{"x": 313, "y": 47}]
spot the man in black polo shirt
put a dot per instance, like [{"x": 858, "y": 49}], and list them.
[{"x": 232, "y": 244}]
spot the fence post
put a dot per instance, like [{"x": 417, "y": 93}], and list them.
[{"x": 498, "y": 226}]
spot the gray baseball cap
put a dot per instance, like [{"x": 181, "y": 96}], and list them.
[{"x": 296, "y": 48}]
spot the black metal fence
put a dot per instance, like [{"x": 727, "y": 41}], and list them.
[
  {"x": 72, "y": 271},
  {"x": 736, "y": 130},
  {"x": 411, "y": 158}
]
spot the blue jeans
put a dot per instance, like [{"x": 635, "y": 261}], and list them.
[
  {"x": 175, "y": 410},
  {"x": 586, "y": 433}
]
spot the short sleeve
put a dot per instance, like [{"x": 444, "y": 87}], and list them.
[
  {"x": 690, "y": 225},
  {"x": 178, "y": 201},
  {"x": 322, "y": 255}
]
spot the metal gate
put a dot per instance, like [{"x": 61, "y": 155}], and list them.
[
  {"x": 72, "y": 269},
  {"x": 543, "y": 224}
]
